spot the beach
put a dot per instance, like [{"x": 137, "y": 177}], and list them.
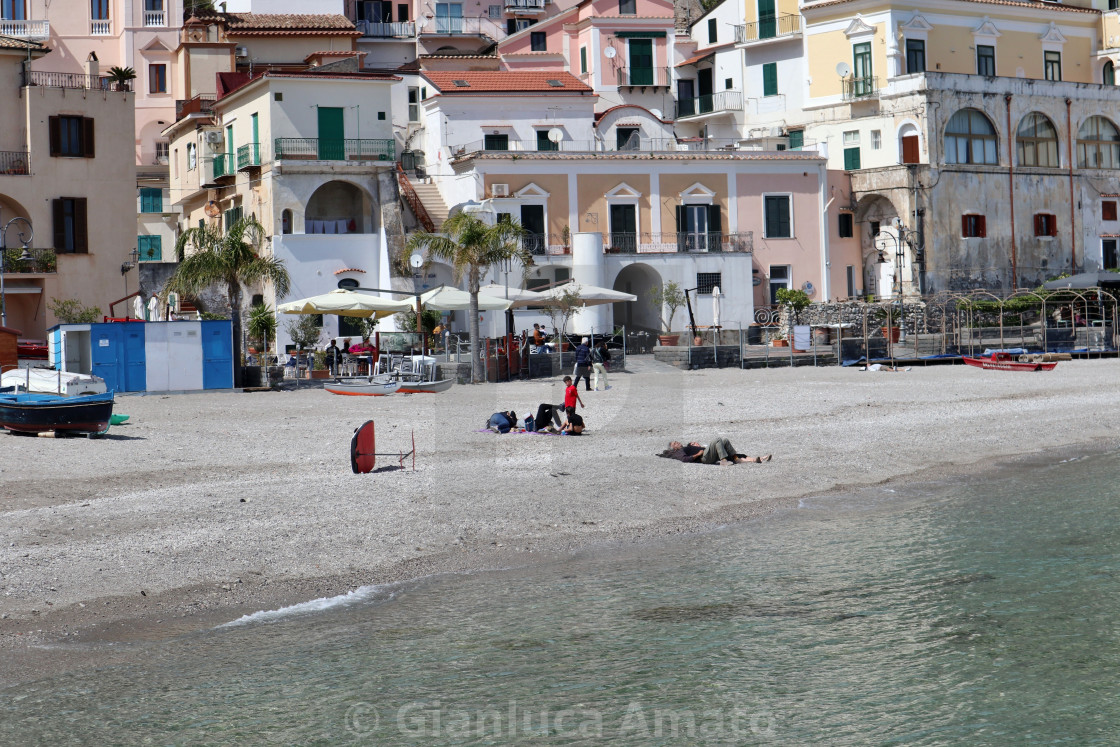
[{"x": 208, "y": 506}]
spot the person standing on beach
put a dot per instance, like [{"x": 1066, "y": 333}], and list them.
[
  {"x": 334, "y": 358},
  {"x": 600, "y": 360},
  {"x": 571, "y": 396},
  {"x": 583, "y": 364}
]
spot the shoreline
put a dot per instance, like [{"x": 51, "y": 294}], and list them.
[{"x": 61, "y": 637}]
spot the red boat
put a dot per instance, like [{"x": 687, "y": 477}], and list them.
[
  {"x": 1007, "y": 362},
  {"x": 36, "y": 349}
]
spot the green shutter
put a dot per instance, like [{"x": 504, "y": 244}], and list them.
[
  {"x": 583, "y": 59},
  {"x": 332, "y": 134},
  {"x": 150, "y": 248},
  {"x": 151, "y": 200},
  {"x": 767, "y": 20},
  {"x": 777, "y": 218},
  {"x": 770, "y": 79},
  {"x": 851, "y": 159},
  {"x": 796, "y": 139}
]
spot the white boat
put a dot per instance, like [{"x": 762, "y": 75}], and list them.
[
  {"x": 426, "y": 387},
  {"x": 49, "y": 381},
  {"x": 371, "y": 388}
]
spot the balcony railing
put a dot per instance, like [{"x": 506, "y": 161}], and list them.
[
  {"x": 621, "y": 242},
  {"x": 155, "y": 18},
  {"x": 34, "y": 30},
  {"x": 524, "y": 6},
  {"x": 482, "y": 26},
  {"x": 223, "y": 165},
  {"x": 203, "y": 103},
  {"x": 15, "y": 163},
  {"x": 42, "y": 261},
  {"x": 644, "y": 76},
  {"x": 248, "y": 156},
  {"x": 66, "y": 80},
  {"x": 102, "y": 27},
  {"x": 860, "y": 88},
  {"x": 314, "y": 149},
  {"x": 723, "y": 101},
  {"x": 777, "y": 27},
  {"x": 634, "y": 145},
  {"x": 402, "y": 29}
]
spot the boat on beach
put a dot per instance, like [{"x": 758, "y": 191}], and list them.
[
  {"x": 29, "y": 412},
  {"x": 50, "y": 381},
  {"x": 369, "y": 388},
  {"x": 426, "y": 387},
  {"x": 1006, "y": 362}
]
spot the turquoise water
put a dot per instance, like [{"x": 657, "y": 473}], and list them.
[{"x": 972, "y": 612}]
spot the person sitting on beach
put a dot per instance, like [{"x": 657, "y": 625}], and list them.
[
  {"x": 545, "y": 413},
  {"x": 574, "y": 426},
  {"x": 718, "y": 451},
  {"x": 502, "y": 422}
]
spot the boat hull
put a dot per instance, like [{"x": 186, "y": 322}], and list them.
[
  {"x": 426, "y": 387},
  {"x": 993, "y": 364},
  {"x": 36, "y": 413},
  {"x": 365, "y": 388}
]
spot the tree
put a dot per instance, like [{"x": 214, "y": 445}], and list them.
[
  {"x": 122, "y": 77},
  {"x": 667, "y": 297},
  {"x": 72, "y": 311},
  {"x": 560, "y": 310},
  {"x": 305, "y": 331},
  {"x": 230, "y": 259},
  {"x": 470, "y": 245}
]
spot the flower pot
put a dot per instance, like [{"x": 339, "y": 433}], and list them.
[
  {"x": 780, "y": 343},
  {"x": 697, "y": 340},
  {"x": 668, "y": 341},
  {"x": 891, "y": 333}
]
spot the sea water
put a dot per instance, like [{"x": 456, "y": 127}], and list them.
[{"x": 975, "y": 611}]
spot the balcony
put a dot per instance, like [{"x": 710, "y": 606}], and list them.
[
  {"x": 687, "y": 242},
  {"x": 524, "y": 7},
  {"x": 481, "y": 26},
  {"x": 43, "y": 261},
  {"x": 313, "y": 149},
  {"x": 644, "y": 77},
  {"x": 856, "y": 89},
  {"x": 203, "y": 103},
  {"x": 101, "y": 27},
  {"x": 595, "y": 147},
  {"x": 155, "y": 18},
  {"x": 79, "y": 81},
  {"x": 223, "y": 166},
  {"x": 32, "y": 30},
  {"x": 249, "y": 157},
  {"x": 15, "y": 163},
  {"x": 399, "y": 30},
  {"x": 778, "y": 28},
  {"x": 713, "y": 103}
]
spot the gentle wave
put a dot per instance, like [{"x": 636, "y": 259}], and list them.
[{"x": 356, "y": 596}]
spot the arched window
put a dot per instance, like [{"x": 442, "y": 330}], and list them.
[
  {"x": 286, "y": 221},
  {"x": 348, "y": 284},
  {"x": 1108, "y": 73},
  {"x": 1098, "y": 144},
  {"x": 970, "y": 138},
  {"x": 1037, "y": 141}
]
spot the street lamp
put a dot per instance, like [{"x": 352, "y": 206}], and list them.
[
  {"x": 902, "y": 236},
  {"x": 24, "y": 256}
]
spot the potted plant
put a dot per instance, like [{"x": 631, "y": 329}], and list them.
[
  {"x": 121, "y": 78},
  {"x": 319, "y": 368},
  {"x": 779, "y": 340},
  {"x": 889, "y": 317},
  {"x": 566, "y": 237},
  {"x": 797, "y": 301},
  {"x": 668, "y": 298}
]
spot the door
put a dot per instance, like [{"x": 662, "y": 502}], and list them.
[
  {"x": 686, "y": 98},
  {"x": 779, "y": 278},
  {"x": 624, "y": 228},
  {"x": 532, "y": 221},
  {"x": 704, "y": 87},
  {"x": 449, "y": 18},
  {"x": 910, "y": 149},
  {"x": 692, "y": 228},
  {"x": 105, "y": 353},
  {"x": 767, "y": 20},
  {"x": 135, "y": 375},
  {"x": 255, "y": 145},
  {"x": 1108, "y": 252},
  {"x": 861, "y": 70},
  {"x": 641, "y": 62},
  {"x": 217, "y": 354},
  {"x": 332, "y": 134},
  {"x": 628, "y": 138}
]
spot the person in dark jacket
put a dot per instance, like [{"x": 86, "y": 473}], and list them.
[
  {"x": 583, "y": 364},
  {"x": 502, "y": 422}
]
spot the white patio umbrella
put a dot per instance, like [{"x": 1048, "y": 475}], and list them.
[
  {"x": 520, "y": 298},
  {"x": 715, "y": 305},
  {"x": 343, "y": 302},
  {"x": 445, "y": 298},
  {"x": 590, "y": 295}
]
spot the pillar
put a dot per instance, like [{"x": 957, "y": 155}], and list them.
[{"x": 588, "y": 268}]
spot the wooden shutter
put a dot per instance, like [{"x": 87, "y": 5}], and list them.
[
  {"x": 1108, "y": 210},
  {"x": 59, "y": 225},
  {"x": 1039, "y": 228},
  {"x": 87, "y": 137},
  {"x": 81, "y": 243},
  {"x": 55, "y": 131},
  {"x": 1053, "y": 225},
  {"x": 715, "y": 219},
  {"x": 910, "y": 149},
  {"x": 680, "y": 218},
  {"x": 982, "y": 220}
]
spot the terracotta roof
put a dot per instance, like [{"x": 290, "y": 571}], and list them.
[
  {"x": 504, "y": 81},
  {"x": 706, "y": 53},
  {"x": 1013, "y": 3},
  {"x": 242, "y": 24},
  {"x": 230, "y": 82},
  {"x": 12, "y": 42}
]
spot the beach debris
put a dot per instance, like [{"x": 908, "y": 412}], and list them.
[{"x": 143, "y": 593}]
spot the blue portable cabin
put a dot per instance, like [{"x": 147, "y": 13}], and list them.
[{"x": 147, "y": 356}]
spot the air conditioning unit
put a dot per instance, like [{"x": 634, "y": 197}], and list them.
[
  {"x": 241, "y": 51},
  {"x": 214, "y": 137},
  {"x": 499, "y": 190}
]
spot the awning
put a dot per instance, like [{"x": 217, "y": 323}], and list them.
[{"x": 8, "y": 289}]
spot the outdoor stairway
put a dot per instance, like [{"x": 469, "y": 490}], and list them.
[{"x": 432, "y": 201}]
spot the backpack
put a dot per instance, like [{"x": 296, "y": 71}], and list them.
[{"x": 596, "y": 356}]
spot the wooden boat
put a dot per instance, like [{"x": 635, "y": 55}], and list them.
[
  {"x": 1007, "y": 362},
  {"x": 36, "y": 413},
  {"x": 426, "y": 387},
  {"x": 50, "y": 381},
  {"x": 371, "y": 388}
]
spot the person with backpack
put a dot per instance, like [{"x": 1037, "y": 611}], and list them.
[{"x": 600, "y": 363}]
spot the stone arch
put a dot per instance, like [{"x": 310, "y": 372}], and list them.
[
  {"x": 338, "y": 204},
  {"x": 637, "y": 278},
  {"x": 876, "y": 212}
]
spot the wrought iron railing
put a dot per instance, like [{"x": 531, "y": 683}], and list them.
[
  {"x": 317, "y": 149},
  {"x": 48, "y": 79},
  {"x": 203, "y": 103},
  {"x": 520, "y": 6},
  {"x": 248, "y": 156},
  {"x": 404, "y": 29},
  {"x": 35, "y": 30},
  {"x": 773, "y": 27},
  {"x": 642, "y": 144},
  {"x": 15, "y": 163},
  {"x": 41, "y": 261},
  {"x": 864, "y": 87},
  {"x": 414, "y": 201},
  {"x": 623, "y": 242},
  {"x": 644, "y": 76},
  {"x": 722, "y": 101}
]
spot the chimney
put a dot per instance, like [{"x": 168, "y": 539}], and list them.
[{"x": 93, "y": 69}]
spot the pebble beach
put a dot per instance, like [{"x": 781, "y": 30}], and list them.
[{"x": 208, "y": 506}]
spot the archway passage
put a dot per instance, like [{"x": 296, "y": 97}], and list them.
[
  {"x": 338, "y": 207},
  {"x": 877, "y": 214},
  {"x": 640, "y": 315}
]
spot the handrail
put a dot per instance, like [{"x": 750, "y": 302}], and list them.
[{"x": 413, "y": 200}]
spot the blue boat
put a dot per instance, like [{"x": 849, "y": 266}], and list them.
[{"x": 36, "y": 413}]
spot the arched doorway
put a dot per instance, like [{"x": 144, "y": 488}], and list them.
[
  {"x": 640, "y": 315},
  {"x": 877, "y": 214},
  {"x": 338, "y": 207}
]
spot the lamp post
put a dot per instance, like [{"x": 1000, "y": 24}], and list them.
[
  {"x": 903, "y": 237},
  {"x": 24, "y": 256}
]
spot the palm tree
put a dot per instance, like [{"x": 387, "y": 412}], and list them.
[
  {"x": 232, "y": 258},
  {"x": 470, "y": 245}
]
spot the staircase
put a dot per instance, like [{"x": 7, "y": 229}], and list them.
[{"x": 433, "y": 203}]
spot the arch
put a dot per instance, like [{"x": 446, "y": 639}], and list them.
[
  {"x": 1108, "y": 73},
  {"x": 970, "y": 137},
  {"x": 1098, "y": 144},
  {"x": 909, "y": 143},
  {"x": 338, "y": 205},
  {"x": 638, "y": 278},
  {"x": 873, "y": 211},
  {"x": 1036, "y": 141},
  {"x": 286, "y": 221}
]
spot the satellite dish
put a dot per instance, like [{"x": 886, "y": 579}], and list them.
[
  {"x": 416, "y": 260},
  {"x": 212, "y": 210},
  {"x": 610, "y": 52},
  {"x": 555, "y": 134},
  {"x": 843, "y": 69}
]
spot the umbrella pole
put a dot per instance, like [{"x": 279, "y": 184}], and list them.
[{"x": 420, "y": 323}]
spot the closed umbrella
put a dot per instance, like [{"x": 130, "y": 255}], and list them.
[
  {"x": 715, "y": 305},
  {"x": 343, "y": 302}
]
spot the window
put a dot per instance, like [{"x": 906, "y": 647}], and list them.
[
  {"x": 150, "y": 248},
  {"x": 876, "y": 139},
  {"x": 1113, "y": 4},
  {"x": 495, "y": 12},
  {"x": 69, "y": 215},
  {"x": 973, "y": 226},
  {"x": 151, "y": 200},
  {"x": 796, "y": 139},
  {"x": 627, "y": 138},
  {"x": 915, "y": 56},
  {"x": 583, "y": 60},
  {"x": 1108, "y": 210},
  {"x": 286, "y": 223},
  {"x": 71, "y": 137},
  {"x": 1108, "y": 253},
  {"x": 728, "y": 83},
  {"x": 381, "y": 116},
  {"x": 192, "y": 157},
  {"x": 99, "y": 10},
  {"x": 1045, "y": 224},
  {"x": 770, "y": 79},
  {"x": 851, "y": 150},
  {"x": 413, "y": 104},
  {"x": 1098, "y": 144},
  {"x": 1037, "y": 141},
  {"x": 846, "y": 226},
  {"x": 537, "y": 41},
  {"x": 278, "y": 96},
  {"x": 970, "y": 138},
  {"x": 1052, "y": 65},
  {"x": 13, "y": 10},
  {"x": 713, "y": 31},
  {"x": 776, "y": 210},
  {"x": 863, "y": 82},
  {"x": 449, "y": 18},
  {"x": 627, "y": 7},
  {"x": 543, "y": 142},
  {"x": 162, "y": 149},
  {"x": 850, "y": 273},
  {"x": 157, "y": 78},
  {"x": 985, "y": 60},
  {"x": 706, "y": 281},
  {"x": 495, "y": 142},
  {"x": 1108, "y": 73},
  {"x": 780, "y": 277},
  {"x": 231, "y": 216}
]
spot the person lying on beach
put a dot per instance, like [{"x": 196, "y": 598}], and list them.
[
  {"x": 545, "y": 413},
  {"x": 719, "y": 451},
  {"x": 574, "y": 426},
  {"x": 502, "y": 422}
]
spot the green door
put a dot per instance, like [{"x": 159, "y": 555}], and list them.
[
  {"x": 767, "y": 20},
  {"x": 641, "y": 62},
  {"x": 332, "y": 134}
]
